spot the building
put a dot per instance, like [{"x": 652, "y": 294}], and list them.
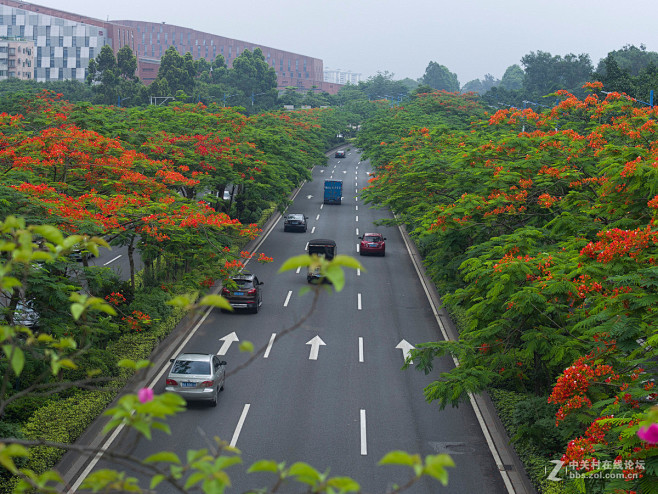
[
  {"x": 153, "y": 39},
  {"x": 337, "y": 76},
  {"x": 63, "y": 43},
  {"x": 16, "y": 59}
]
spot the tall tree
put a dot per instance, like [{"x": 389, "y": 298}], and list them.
[
  {"x": 439, "y": 77},
  {"x": 179, "y": 71},
  {"x": 255, "y": 79},
  {"x": 512, "y": 78}
]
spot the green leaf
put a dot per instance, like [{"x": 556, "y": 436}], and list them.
[
  {"x": 336, "y": 276},
  {"x": 77, "y": 310},
  {"x": 345, "y": 484},
  {"x": 348, "y": 262},
  {"x": 305, "y": 473},
  {"x": 399, "y": 458},
  {"x": 195, "y": 478},
  {"x": 164, "y": 457},
  {"x": 50, "y": 233},
  {"x": 156, "y": 480},
  {"x": 17, "y": 358},
  {"x": 435, "y": 467},
  {"x": 264, "y": 466},
  {"x": 296, "y": 262},
  {"x": 246, "y": 346},
  {"x": 216, "y": 301}
]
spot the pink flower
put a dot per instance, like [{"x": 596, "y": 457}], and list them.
[
  {"x": 145, "y": 395},
  {"x": 649, "y": 434}
]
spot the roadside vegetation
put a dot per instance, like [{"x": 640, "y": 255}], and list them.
[
  {"x": 538, "y": 228},
  {"x": 532, "y": 199}
]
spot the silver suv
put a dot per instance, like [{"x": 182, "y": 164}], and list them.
[{"x": 197, "y": 377}]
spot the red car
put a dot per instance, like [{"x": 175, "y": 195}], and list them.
[{"x": 372, "y": 243}]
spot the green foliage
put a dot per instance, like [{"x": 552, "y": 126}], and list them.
[
  {"x": 540, "y": 228},
  {"x": 439, "y": 77},
  {"x": 61, "y": 421}
]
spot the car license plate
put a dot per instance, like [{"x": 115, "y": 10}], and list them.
[
  {"x": 373, "y": 245},
  {"x": 238, "y": 293},
  {"x": 187, "y": 385}
]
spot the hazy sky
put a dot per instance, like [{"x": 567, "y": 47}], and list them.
[{"x": 470, "y": 37}]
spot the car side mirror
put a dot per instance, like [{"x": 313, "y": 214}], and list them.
[
  {"x": 171, "y": 360},
  {"x": 261, "y": 282},
  {"x": 222, "y": 362},
  {"x": 361, "y": 237},
  {"x": 384, "y": 238}
]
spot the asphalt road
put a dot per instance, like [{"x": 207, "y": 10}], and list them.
[{"x": 343, "y": 404}]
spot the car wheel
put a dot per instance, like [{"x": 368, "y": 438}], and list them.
[
  {"x": 383, "y": 253},
  {"x": 256, "y": 308},
  {"x": 213, "y": 402},
  {"x": 361, "y": 253},
  {"x": 223, "y": 382}
]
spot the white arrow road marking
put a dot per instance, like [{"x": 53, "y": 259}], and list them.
[
  {"x": 344, "y": 171},
  {"x": 360, "y": 348},
  {"x": 238, "y": 428},
  {"x": 321, "y": 171},
  {"x": 364, "y": 442},
  {"x": 112, "y": 260},
  {"x": 285, "y": 304},
  {"x": 406, "y": 347},
  {"x": 228, "y": 340},
  {"x": 315, "y": 347},
  {"x": 309, "y": 196},
  {"x": 269, "y": 346}
]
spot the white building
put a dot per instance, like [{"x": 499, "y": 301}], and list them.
[{"x": 338, "y": 76}]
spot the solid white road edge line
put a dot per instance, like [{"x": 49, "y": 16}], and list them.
[
  {"x": 269, "y": 346},
  {"x": 364, "y": 441},
  {"x": 238, "y": 428},
  {"x": 476, "y": 409}
]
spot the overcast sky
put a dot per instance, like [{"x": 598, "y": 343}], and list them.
[{"x": 470, "y": 37}]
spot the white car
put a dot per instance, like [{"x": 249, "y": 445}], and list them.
[{"x": 197, "y": 377}]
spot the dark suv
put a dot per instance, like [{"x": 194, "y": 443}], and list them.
[
  {"x": 243, "y": 292},
  {"x": 295, "y": 222}
]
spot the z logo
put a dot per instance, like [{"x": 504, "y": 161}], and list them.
[{"x": 558, "y": 466}]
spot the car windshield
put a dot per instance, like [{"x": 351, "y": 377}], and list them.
[
  {"x": 372, "y": 238},
  {"x": 242, "y": 283},
  {"x": 191, "y": 367}
]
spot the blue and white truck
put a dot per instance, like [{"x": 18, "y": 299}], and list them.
[{"x": 333, "y": 191}]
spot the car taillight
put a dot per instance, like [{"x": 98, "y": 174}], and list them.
[
  {"x": 171, "y": 382},
  {"x": 207, "y": 384},
  {"x": 252, "y": 292}
]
